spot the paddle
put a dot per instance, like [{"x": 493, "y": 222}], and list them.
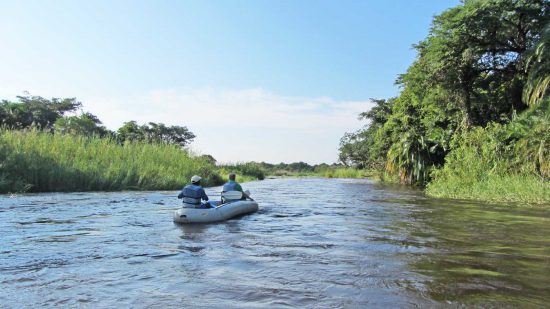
[{"x": 247, "y": 193}]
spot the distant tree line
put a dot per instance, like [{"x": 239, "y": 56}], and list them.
[
  {"x": 261, "y": 169},
  {"x": 484, "y": 63},
  {"x": 59, "y": 116}
]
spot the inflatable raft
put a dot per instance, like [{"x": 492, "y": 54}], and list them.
[{"x": 219, "y": 213}]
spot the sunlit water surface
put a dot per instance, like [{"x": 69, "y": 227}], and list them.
[{"x": 315, "y": 243}]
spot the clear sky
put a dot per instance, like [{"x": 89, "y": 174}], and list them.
[{"x": 274, "y": 81}]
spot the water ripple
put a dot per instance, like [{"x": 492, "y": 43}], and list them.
[{"x": 364, "y": 245}]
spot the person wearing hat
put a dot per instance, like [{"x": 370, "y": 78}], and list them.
[{"x": 193, "y": 193}]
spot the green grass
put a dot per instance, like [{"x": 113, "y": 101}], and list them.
[
  {"x": 520, "y": 188},
  {"x": 41, "y": 162},
  {"x": 343, "y": 173},
  {"x": 33, "y": 161},
  {"x": 327, "y": 173},
  {"x": 246, "y": 171},
  {"x": 501, "y": 162}
]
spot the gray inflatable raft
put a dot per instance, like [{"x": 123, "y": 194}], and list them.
[{"x": 219, "y": 213}]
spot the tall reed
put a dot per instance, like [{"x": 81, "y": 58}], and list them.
[
  {"x": 43, "y": 162},
  {"x": 343, "y": 173}
]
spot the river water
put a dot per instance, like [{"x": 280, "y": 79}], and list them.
[{"x": 314, "y": 243}]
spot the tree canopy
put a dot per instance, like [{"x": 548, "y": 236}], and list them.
[
  {"x": 58, "y": 116},
  {"x": 35, "y": 111},
  {"x": 483, "y": 62},
  {"x": 155, "y": 133}
]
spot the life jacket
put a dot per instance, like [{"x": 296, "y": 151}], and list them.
[{"x": 191, "y": 196}]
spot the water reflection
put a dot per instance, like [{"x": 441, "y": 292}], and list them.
[
  {"x": 495, "y": 255},
  {"x": 192, "y": 231}
]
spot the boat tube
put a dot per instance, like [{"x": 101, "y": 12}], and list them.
[{"x": 218, "y": 213}]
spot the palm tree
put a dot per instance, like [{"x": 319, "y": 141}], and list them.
[{"x": 538, "y": 64}]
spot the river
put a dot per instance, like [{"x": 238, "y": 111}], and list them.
[{"x": 314, "y": 243}]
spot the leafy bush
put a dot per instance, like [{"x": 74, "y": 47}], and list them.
[{"x": 500, "y": 162}]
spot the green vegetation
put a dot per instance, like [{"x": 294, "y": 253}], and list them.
[
  {"x": 342, "y": 173},
  {"x": 46, "y": 146},
  {"x": 260, "y": 170},
  {"x": 34, "y": 112},
  {"x": 40, "y": 162},
  {"x": 508, "y": 162},
  {"x": 471, "y": 120}
]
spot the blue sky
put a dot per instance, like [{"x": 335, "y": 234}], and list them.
[{"x": 274, "y": 81}]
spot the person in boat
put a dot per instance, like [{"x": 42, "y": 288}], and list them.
[
  {"x": 233, "y": 185},
  {"x": 193, "y": 193}
]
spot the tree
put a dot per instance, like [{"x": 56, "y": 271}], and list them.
[
  {"x": 175, "y": 135},
  {"x": 208, "y": 158},
  {"x": 471, "y": 66},
  {"x": 358, "y": 148},
  {"x": 476, "y": 51},
  {"x": 130, "y": 131},
  {"x": 538, "y": 62},
  {"x": 84, "y": 124},
  {"x": 35, "y": 111},
  {"x": 155, "y": 133}
]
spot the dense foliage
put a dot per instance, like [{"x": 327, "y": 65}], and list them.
[
  {"x": 56, "y": 116},
  {"x": 42, "y": 162},
  {"x": 479, "y": 79},
  {"x": 509, "y": 162},
  {"x": 262, "y": 169},
  {"x": 46, "y": 145},
  {"x": 155, "y": 133},
  {"x": 34, "y": 111}
]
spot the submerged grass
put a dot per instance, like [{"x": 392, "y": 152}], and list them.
[{"x": 42, "y": 162}]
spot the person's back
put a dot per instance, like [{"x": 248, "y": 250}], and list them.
[
  {"x": 233, "y": 185},
  {"x": 193, "y": 193}
]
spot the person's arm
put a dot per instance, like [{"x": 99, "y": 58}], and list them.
[
  {"x": 203, "y": 195},
  {"x": 181, "y": 194}
]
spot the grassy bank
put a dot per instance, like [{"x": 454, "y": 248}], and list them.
[
  {"x": 42, "y": 162},
  {"x": 527, "y": 189},
  {"x": 343, "y": 173},
  {"x": 348, "y": 172},
  {"x": 254, "y": 170},
  {"x": 508, "y": 162}
]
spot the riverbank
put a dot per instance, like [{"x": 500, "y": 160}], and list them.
[
  {"x": 34, "y": 161},
  {"x": 43, "y": 162},
  {"x": 348, "y": 172},
  {"x": 527, "y": 189}
]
